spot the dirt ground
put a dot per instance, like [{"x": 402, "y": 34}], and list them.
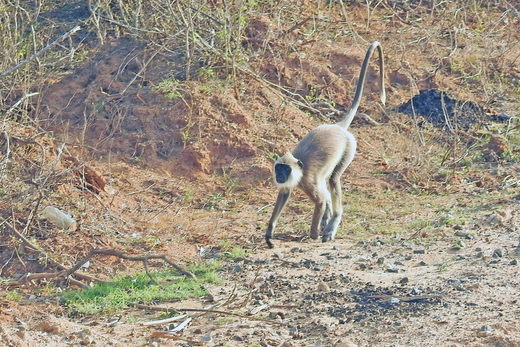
[
  {"x": 428, "y": 251},
  {"x": 377, "y": 292}
]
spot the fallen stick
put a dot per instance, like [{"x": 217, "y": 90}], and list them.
[
  {"x": 37, "y": 54},
  {"x": 59, "y": 266},
  {"x": 119, "y": 254},
  {"x": 171, "y": 309},
  {"x": 165, "y": 321}
]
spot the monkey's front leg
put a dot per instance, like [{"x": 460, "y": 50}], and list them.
[{"x": 281, "y": 201}]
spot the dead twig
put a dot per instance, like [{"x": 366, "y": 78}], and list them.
[
  {"x": 171, "y": 309},
  {"x": 140, "y": 257},
  {"x": 59, "y": 266},
  {"x": 40, "y": 52}
]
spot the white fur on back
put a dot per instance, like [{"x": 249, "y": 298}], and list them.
[{"x": 293, "y": 181}]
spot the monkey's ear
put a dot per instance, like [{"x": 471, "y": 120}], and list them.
[{"x": 300, "y": 164}]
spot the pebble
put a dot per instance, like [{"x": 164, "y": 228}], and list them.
[
  {"x": 419, "y": 251},
  {"x": 236, "y": 268},
  {"x": 404, "y": 280},
  {"x": 464, "y": 234},
  {"x": 278, "y": 255},
  {"x": 406, "y": 244},
  {"x": 416, "y": 291},
  {"x": 296, "y": 250},
  {"x": 458, "y": 245},
  {"x": 345, "y": 342},
  {"x": 323, "y": 287},
  {"x": 206, "y": 338},
  {"x": 287, "y": 344},
  {"x": 391, "y": 268},
  {"x": 485, "y": 330},
  {"x": 393, "y": 301},
  {"x": 381, "y": 260},
  {"x": 513, "y": 262},
  {"x": 498, "y": 253},
  {"x": 422, "y": 263}
]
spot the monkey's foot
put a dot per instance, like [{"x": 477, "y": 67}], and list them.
[
  {"x": 327, "y": 237},
  {"x": 269, "y": 243}
]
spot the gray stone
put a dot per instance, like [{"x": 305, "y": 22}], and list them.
[
  {"x": 464, "y": 234},
  {"x": 498, "y": 253},
  {"x": 206, "y": 338},
  {"x": 416, "y": 291}
]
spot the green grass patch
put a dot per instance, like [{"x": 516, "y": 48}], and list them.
[
  {"x": 231, "y": 251},
  {"x": 123, "y": 291}
]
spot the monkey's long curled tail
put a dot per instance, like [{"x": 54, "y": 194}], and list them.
[{"x": 345, "y": 122}]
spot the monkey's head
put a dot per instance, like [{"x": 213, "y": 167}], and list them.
[{"x": 288, "y": 171}]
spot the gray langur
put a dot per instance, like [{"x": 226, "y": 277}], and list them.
[{"x": 318, "y": 161}]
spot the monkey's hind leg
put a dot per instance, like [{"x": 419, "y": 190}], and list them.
[
  {"x": 327, "y": 215},
  {"x": 281, "y": 201},
  {"x": 329, "y": 233},
  {"x": 321, "y": 197}
]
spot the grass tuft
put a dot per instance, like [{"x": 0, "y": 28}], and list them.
[{"x": 126, "y": 290}]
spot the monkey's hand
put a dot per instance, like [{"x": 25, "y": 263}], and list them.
[{"x": 269, "y": 236}]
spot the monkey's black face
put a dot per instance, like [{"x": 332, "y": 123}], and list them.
[{"x": 282, "y": 172}]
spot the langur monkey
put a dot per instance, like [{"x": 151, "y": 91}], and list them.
[{"x": 317, "y": 162}]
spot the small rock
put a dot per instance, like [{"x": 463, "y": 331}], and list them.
[
  {"x": 494, "y": 219},
  {"x": 236, "y": 268},
  {"x": 513, "y": 262},
  {"x": 498, "y": 253},
  {"x": 293, "y": 331},
  {"x": 404, "y": 280},
  {"x": 416, "y": 291},
  {"x": 485, "y": 330},
  {"x": 392, "y": 269},
  {"x": 20, "y": 333},
  {"x": 422, "y": 263},
  {"x": 323, "y": 287},
  {"x": 296, "y": 250},
  {"x": 278, "y": 255},
  {"x": 374, "y": 254},
  {"x": 48, "y": 327},
  {"x": 419, "y": 251},
  {"x": 408, "y": 257},
  {"x": 345, "y": 342},
  {"x": 361, "y": 243},
  {"x": 206, "y": 338},
  {"x": 238, "y": 338},
  {"x": 398, "y": 263},
  {"x": 406, "y": 244},
  {"x": 464, "y": 234},
  {"x": 459, "y": 245},
  {"x": 393, "y": 301},
  {"x": 197, "y": 331},
  {"x": 380, "y": 260},
  {"x": 287, "y": 344}
]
